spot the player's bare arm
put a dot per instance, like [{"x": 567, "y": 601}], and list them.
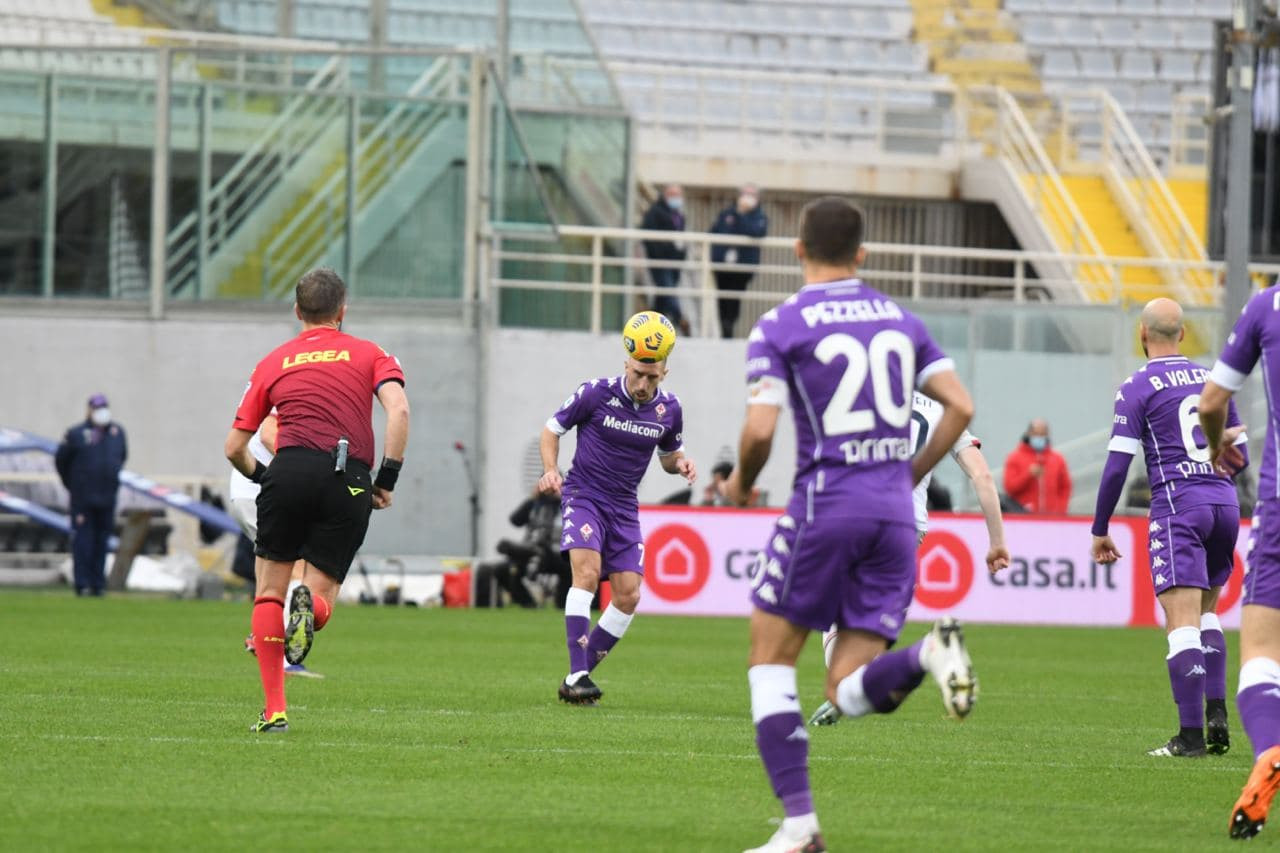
[
  {"x": 549, "y": 448},
  {"x": 753, "y": 451},
  {"x": 396, "y": 436},
  {"x": 237, "y": 451},
  {"x": 1223, "y": 451},
  {"x": 975, "y": 467},
  {"x": 678, "y": 463},
  {"x": 957, "y": 410}
]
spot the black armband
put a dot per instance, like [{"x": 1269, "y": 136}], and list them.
[
  {"x": 388, "y": 473},
  {"x": 259, "y": 471}
]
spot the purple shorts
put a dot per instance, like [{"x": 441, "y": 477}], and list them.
[
  {"x": 1194, "y": 548},
  {"x": 596, "y": 526},
  {"x": 853, "y": 573},
  {"x": 1262, "y": 559}
]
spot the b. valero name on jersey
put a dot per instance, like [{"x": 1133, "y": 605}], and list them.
[
  {"x": 315, "y": 356},
  {"x": 850, "y": 311},
  {"x": 633, "y": 427},
  {"x": 1179, "y": 378}
]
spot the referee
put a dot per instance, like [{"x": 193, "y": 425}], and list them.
[{"x": 318, "y": 492}]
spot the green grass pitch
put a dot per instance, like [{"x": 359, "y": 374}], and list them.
[{"x": 125, "y": 726}]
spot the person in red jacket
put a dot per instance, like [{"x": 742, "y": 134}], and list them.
[{"x": 1035, "y": 475}]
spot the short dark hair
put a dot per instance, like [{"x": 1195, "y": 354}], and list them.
[
  {"x": 320, "y": 295},
  {"x": 831, "y": 231}
]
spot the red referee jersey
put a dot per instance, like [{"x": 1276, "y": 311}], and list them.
[{"x": 322, "y": 384}]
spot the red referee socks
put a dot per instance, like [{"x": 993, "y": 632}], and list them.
[
  {"x": 322, "y": 609},
  {"x": 268, "y": 643}
]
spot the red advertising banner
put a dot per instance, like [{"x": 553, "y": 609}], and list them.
[{"x": 700, "y": 562}]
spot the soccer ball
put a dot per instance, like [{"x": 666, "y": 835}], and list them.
[{"x": 649, "y": 337}]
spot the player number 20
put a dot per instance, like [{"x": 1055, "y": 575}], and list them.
[{"x": 840, "y": 418}]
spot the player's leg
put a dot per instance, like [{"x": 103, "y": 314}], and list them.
[
  {"x": 309, "y": 588},
  {"x": 104, "y": 525},
  {"x": 267, "y": 627},
  {"x": 1258, "y": 695},
  {"x": 861, "y": 680},
  {"x": 1180, "y": 575},
  {"x": 577, "y": 687},
  {"x": 799, "y": 582},
  {"x": 332, "y": 539},
  {"x": 623, "y": 557},
  {"x": 245, "y": 512},
  {"x": 781, "y": 738},
  {"x": 1258, "y": 703},
  {"x": 1213, "y": 643},
  {"x": 616, "y": 618},
  {"x": 1185, "y": 664},
  {"x": 1220, "y": 551}
]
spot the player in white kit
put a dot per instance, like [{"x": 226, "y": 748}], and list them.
[{"x": 967, "y": 452}]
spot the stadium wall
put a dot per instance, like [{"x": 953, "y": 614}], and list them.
[{"x": 174, "y": 385}]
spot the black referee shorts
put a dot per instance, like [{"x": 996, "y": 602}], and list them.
[{"x": 308, "y": 511}]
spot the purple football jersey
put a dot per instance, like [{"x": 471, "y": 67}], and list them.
[
  {"x": 616, "y": 437},
  {"x": 850, "y": 357},
  {"x": 1256, "y": 336},
  {"x": 1156, "y": 412}
]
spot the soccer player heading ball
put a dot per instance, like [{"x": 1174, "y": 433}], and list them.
[
  {"x": 1195, "y": 519},
  {"x": 620, "y": 421},
  {"x": 846, "y": 357}
]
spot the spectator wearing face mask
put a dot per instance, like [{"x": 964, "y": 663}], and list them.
[
  {"x": 1035, "y": 475},
  {"x": 89, "y": 460},
  {"x": 666, "y": 214},
  {"x": 745, "y": 219}
]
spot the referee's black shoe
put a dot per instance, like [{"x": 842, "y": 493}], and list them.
[
  {"x": 582, "y": 691},
  {"x": 302, "y": 625}
]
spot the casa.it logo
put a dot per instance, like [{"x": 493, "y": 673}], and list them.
[
  {"x": 676, "y": 562},
  {"x": 1231, "y": 591},
  {"x": 944, "y": 571}
]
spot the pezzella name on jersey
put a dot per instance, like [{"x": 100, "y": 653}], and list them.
[
  {"x": 857, "y": 451},
  {"x": 647, "y": 430},
  {"x": 850, "y": 311}
]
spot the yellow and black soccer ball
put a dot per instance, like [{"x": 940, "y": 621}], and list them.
[{"x": 649, "y": 337}]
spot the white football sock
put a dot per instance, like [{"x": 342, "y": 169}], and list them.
[
  {"x": 1183, "y": 639},
  {"x": 1256, "y": 671},
  {"x": 773, "y": 690},
  {"x": 1210, "y": 622},
  {"x": 614, "y": 621},
  {"x": 850, "y": 698}
]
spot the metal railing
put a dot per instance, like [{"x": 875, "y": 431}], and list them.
[
  {"x": 598, "y": 255},
  {"x": 307, "y": 236},
  {"x": 807, "y": 115},
  {"x": 299, "y": 127},
  {"x": 1189, "y": 134},
  {"x": 999, "y": 119}
]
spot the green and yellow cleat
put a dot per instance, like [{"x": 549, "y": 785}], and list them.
[
  {"x": 302, "y": 625},
  {"x": 278, "y": 723}
]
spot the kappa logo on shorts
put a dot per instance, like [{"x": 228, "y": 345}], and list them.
[
  {"x": 767, "y": 593},
  {"x": 586, "y": 531},
  {"x": 1155, "y": 527},
  {"x": 1158, "y": 563},
  {"x": 1160, "y": 579},
  {"x": 1156, "y": 545},
  {"x": 355, "y": 491},
  {"x": 568, "y": 539}
]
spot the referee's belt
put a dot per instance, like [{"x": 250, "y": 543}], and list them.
[{"x": 326, "y": 455}]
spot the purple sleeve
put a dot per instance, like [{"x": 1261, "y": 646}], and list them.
[
  {"x": 1126, "y": 419},
  {"x": 673, "y": 439},
  {"x": 1244, "y": 344},
  {"x": 576, "y": 409},
  {"x": 763, "y": 358},
  {"x": 1113, "y": 477}
]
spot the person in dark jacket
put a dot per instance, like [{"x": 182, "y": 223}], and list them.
[
  {"x": 89, "y": 460},
  {"x": 666, "y": 214},
  {"x": 745, "y": 219}
]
